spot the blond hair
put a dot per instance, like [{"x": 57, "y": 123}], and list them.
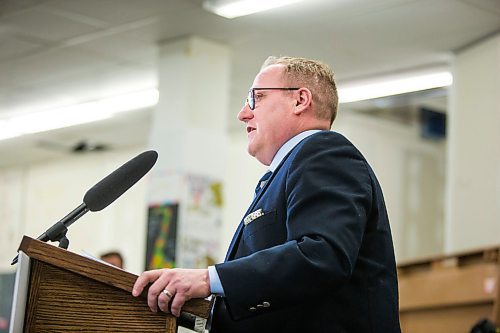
[{"x": 315, "y": 76}]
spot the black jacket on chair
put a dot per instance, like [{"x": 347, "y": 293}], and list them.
[{"x": 314, "y": 252}]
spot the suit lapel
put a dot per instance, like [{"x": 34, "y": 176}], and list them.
[
  {"x": 237, "y": 235},
  {"x": 239, "y": 231}
]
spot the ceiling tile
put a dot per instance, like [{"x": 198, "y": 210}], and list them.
[
  {"x": 11, "y": 7},
  {"x": 48, "y": 26},
  {"x": 122, "y": 11},
  {"x": 14, "y": 47},
  {"x": 52, "y": 64},
  {"x": 76, "y": 88},
  {"x": 123, "y": 47},
  {"x": 489, "y": 6}
]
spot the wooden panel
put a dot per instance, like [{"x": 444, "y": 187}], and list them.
[
  {"x": 452, "y": 319},
  {"x": 97, "y": 271},
  {"x": 171, "y": 324},
  {"x": 62, "y": 301},
  {"x": 450, "y": 293},
  {"x": 448, "y": 286},
  {"x": 482, "y": 255},
  {"x": 496, "y": 308}
]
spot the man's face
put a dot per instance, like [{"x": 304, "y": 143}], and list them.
[{"x": 272, "y": 122}]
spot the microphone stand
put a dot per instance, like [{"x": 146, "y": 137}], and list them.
[{"x": 57, "y": 233}]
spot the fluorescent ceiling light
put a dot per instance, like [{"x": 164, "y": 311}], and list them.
[
  {"x": 40, "y": 121},
  {"x": 235, "y": 8},
  {"x": 393, "y": 86}
]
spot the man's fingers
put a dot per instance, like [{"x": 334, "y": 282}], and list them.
[
  {"x": 156, "y": 290},
  {"x": 159, "y": 283},
  {"x": 163, "y": 300},
  {"x": 180, "y": 285},
  {"x": 153, "y": 300},
  {"x": 157, "y": 279},
  {"x": 142, "y": 281},
  {"x": 177, "y": 303}
]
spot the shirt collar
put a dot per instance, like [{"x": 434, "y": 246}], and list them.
[{"x": 287, "y": 147}]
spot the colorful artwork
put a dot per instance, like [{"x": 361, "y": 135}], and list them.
[
  {"x": 192, "y": 226},
  {"x": 201, "y": 222},
  {"x": 162, "y": 235}
]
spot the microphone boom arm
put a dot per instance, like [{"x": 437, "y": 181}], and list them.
[
  {"x": 57, "y": 233},
  {"x": 59, "y": 229}
]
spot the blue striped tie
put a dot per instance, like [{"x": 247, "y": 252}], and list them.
[{"x": 262, "y": 182}]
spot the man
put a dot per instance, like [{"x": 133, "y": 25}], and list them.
[{"x": 314, "y": 251}]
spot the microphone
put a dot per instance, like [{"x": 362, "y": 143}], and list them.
[
  {"x": 101, "y": 195},
  {"x": 110, "y": 188}
]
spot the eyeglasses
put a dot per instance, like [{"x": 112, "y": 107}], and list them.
[{"x": 251, "y": 95}]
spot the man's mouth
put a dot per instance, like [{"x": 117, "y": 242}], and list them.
[{"x": 250, "y": 129}]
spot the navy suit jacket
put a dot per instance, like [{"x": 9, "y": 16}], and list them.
[{"x": 319, "y": 256}]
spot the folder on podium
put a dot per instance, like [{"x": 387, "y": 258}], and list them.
[{"x": 60, "y": 291}]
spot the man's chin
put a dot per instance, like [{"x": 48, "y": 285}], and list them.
[{"x": 251, "y": 151}]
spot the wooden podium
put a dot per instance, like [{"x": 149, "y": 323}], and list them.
[{"x": 66, "y": 292}]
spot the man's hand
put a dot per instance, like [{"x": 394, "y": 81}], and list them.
[{"x": 172, "y": 286}]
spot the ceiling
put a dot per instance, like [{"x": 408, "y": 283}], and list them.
[{"x": 61, "y": 52}]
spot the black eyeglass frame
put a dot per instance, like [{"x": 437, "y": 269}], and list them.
[{"x": 251, "y": 95}]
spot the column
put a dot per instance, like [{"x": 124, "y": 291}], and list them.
[
  {"x": 189, "y": 131},
  {"x": 473, "y": 167}
]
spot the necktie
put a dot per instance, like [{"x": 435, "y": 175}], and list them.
[{"x": 262, "y": 182}]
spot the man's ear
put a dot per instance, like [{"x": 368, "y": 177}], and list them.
[{"x": 303, "y": 100}]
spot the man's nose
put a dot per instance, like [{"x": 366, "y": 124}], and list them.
[{"x": 245, "y": 113}]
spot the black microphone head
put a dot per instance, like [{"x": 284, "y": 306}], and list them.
[{"x": 119, "y": 181}]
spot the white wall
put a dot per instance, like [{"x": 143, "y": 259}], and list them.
[{"x": 411, "y": 173}]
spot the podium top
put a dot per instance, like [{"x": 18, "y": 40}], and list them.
[{"x": 97, "y": 271}]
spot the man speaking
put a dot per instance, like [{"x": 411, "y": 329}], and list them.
[{"x": 314, "y": 252}]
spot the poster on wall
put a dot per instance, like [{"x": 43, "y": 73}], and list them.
[
  {"x": 161, "y": 235},
  {"x": 201, "y": 215},
  {"x": 185, "y": 220}
]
